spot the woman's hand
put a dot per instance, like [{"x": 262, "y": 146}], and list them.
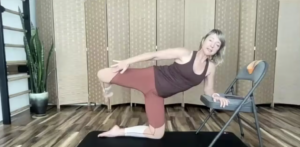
[
  {"x": 223, "y": 101},
  {"x": 121, "y": 65}
]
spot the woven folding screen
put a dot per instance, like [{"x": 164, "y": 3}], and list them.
[
  {"x": 170, "y": 30},
  {"x": 194, "y": 29},
  {"x": 228, "y": 20},
  {"x": 118, "y": 42},
  {"x": 70, "y": 45},
  {"x": 96, "y": 39},
  {"x": 265, "y": 42},
  {"x": 142, "y": 36},
  {"x": 246, "y": 41}
]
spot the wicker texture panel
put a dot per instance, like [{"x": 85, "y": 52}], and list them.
[
  {"x": 170, "y": 33},
  {"x": 96, "y": 38},
  {"x": 199, "y": 20},
  {"x": 142, "y": 36},
  {"x": 118, "y": 42},
  {"x": 266, "y": 40},
  {"x": 227, "y": 20},
  {"x": 286, "y": 88},
  {"x": 71, "y": 51},
  {"x": 247, "y": 40},
  {"x": 44, "y": 20}
]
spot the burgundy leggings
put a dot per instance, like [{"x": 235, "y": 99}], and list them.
[{"x": 142, "y": 79}]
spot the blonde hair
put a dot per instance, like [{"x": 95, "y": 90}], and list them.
[{"x": 217, "y": 58}]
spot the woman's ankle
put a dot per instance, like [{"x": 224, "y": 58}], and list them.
[
  {"x": 121, "y": 132},
  {"x": 107, "y": 85}
]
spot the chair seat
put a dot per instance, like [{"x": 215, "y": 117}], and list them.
[{"x": 234, "y": 102}]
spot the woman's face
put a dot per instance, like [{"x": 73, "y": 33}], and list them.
[{"x": 211, "y": 45}]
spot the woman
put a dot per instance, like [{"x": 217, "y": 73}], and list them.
[{"x": 158, "y": 82}]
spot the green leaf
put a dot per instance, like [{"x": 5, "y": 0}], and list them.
[
  {"x": 33, "y": 48},
  {"x": 41, "y": 60},
  {"x": 30, "y": 64},
  {"x": 47, "y": 67}
]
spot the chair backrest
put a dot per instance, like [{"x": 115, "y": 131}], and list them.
[{"x": 256, "y": 76}]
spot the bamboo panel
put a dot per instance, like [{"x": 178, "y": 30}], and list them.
[
  {"x": 96, "y": 38},
  {"x": 227, "y": 20},
  {"x": 44, "y": 20},
  {"x": 287, "y": 79},
  {"x": 266, "y": 40},
  {"x": 247, "y": 40},
  {"x": 170, "y": 33},
  {"x": 199, "y": 20},
  {"x": 118, "y": 43},
  {"x": 142, "y": 36},
  {"x": 70, "y": 44}
]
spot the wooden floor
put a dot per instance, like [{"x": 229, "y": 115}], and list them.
[{"x": 280, "y": 126}]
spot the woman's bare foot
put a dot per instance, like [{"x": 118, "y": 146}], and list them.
[{"x": 113, "y": 132}]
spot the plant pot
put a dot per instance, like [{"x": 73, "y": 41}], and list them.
[{"x": 39, "y": 103}]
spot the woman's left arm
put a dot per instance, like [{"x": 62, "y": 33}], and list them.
[
  {"x": 209, "y": 86},
  {"x": 209, "y": 81}
]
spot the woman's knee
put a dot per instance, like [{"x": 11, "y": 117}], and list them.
[
  {"x": 158, "y": 133},
  {"x": 101, "y": 73},
  {"x": 105, "y": 75}
]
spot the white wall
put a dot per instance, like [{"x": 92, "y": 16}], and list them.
[
  {"x": 32, "y": 12},
  {"x": 287, "y": 79},
  {"x": 15, "y": 54}
]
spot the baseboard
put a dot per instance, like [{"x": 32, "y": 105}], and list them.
[{"x": 18, "y": 111}]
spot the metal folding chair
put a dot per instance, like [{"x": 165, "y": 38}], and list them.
[{"x": 237, "y": 103}]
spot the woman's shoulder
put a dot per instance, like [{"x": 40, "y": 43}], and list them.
[
  {"x": 184, "y": 55},
  {"x": 185, "y": 51}
]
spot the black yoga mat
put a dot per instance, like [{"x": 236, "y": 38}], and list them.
[{"x": 170, "y": 139}]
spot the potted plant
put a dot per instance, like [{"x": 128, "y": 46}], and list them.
[{"x": 38, "y": 72}]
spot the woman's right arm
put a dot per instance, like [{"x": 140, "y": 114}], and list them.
[{"x": 172, "y": 53}]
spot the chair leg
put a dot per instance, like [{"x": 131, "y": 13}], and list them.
[
  {"x": 257, "y": 126},
  {"x": 205, "y": 120},
  {"x": 223, "y": 129},
  {"x": 213, "y": 117},
  {"x": 240, "y": 124}
]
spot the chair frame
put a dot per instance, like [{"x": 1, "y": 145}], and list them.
[{"x": 236, "y": 112}]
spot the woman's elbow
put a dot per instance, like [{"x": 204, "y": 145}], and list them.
[
  {"x": 149, "y": 55},
  {"x": 208, "y": 91}
]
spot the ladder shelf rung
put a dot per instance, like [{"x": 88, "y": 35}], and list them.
[
  {"x": 13, "y": 12},
  {"x": 13, "y": 77},
  {"x": 14, "y": 29},
  {"x": 19, "y": 93},
  {"x": 14, "y": 45},
  {"x": 11, "y": 63}
]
